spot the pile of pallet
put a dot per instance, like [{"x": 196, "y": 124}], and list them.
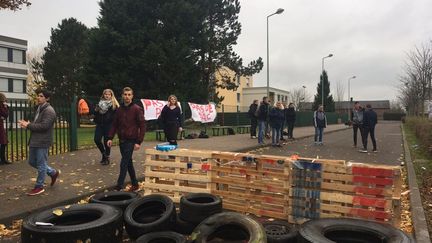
[{"x": 292, "y": 188}]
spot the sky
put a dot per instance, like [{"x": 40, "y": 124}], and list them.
[{"x": 369, "y": 39}]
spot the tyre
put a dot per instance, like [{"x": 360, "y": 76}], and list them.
[
  {"x": 195, "y": 207},
  {"x": 350, "y": 231},
  {"x": 184, "y": 227},
  {"x": 229, "y": 227},
  {"x": 162, "y": 237},
  {"x": 77, "y": 223},
  {"x": 115, "y": 198},
  {"x": 280, "y": 232},
  {"x": 149, "y": 214}
]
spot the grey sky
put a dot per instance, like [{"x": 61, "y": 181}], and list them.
[{"x": 368, "y": 38}]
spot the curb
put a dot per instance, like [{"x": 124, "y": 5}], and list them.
[
  {"x": 8, "y": 220},
  {"x": 421, "y": 232}
]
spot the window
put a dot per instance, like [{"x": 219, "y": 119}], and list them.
[
  {"x": 247, "y": 82},
  {"x": 238, "y": 79},
  {"x": 238, "y": 97},
  {"x": 4, "y": 84},
  {"x": 17, "y": 56},
  {"x": 18, "y": 86},
  {"x": 3, "y": 54},
  {"x": 278, "y": 98}
]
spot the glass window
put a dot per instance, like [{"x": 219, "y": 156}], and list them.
[
  {"x": 18, "y": 86},
  {"x": 3, "y": 54},
  {"x": 17, "y": 56},
  {"x": 238, "y": 97},
  {"x": 4, "y": 84}
]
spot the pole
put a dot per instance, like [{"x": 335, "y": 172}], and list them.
[
  {"x": 322, "y": 82},
  {"x": 268, "y": 64}
]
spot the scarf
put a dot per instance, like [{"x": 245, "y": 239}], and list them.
[
  {"x": 320, "y": 115},
  {"x": 104, "y": 106}
]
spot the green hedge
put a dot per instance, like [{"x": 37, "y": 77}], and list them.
[
  {"x": 422, "y": 128},
  {"x": 393, "y": 116}
]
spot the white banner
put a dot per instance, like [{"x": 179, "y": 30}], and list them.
[
  {"x": 153, "y": 108},
  {"x": 203, "y": 113}
]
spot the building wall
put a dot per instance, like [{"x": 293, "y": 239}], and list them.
[
  {"x": 257, "y": 93},
  {"x": 13, "y": 68},
  {"x": 233, "y": 98}
]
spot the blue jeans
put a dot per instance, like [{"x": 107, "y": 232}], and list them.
[
  {"x": 126, "y": 165},
  {"x": 38, "y": 158},
  {"x": 319, "y": 133},
  {"x": 102, "y": 132},
  {"x": 276, "y": 134},
  {"x": 261, "y": 131}
]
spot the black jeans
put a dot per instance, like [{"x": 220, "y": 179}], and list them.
[
  {"x": 102, "y": 132},
  {"x": 126, "y": 165},
  {"x": 357, "y": 127},
  {"x": 366, "y": 132},
  {"x": 290, "y": 125},
  {"x": 171, "y": 132},
  {"x": 253, "y": 128}
]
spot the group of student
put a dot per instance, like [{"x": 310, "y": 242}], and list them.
[{"x": 277, "y": 117}]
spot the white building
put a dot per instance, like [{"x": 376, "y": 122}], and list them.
[{"x": 257, "y": 93}]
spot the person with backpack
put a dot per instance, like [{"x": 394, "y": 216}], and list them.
[
  {"x": 262, "y": 116},
  {"x": 276, "y": 119},
  {"x": 253, "y": 119},
  {"x": 290, "y": 118},
  {"x": 103, "y": 117},
  {"x": 320, "y": 122}
]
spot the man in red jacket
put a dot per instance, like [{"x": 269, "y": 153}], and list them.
[{"x": 130, "y": 127}]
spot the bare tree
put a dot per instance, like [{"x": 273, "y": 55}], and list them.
[
  {"x": 339, "y": 92},
  {"x": 34, "y": 64},
  {"x": 298, "y": 97},
  {"x": 13, "y": 4}
]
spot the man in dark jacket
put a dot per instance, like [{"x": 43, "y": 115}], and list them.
[
  {"x": 253, "y": 119},
  {"x": 262, "y": 116},
  {"x": 40, "y": 141},
  {"x": 130, "y": 127},
  {"x": 290, "y": 116},
  {"x": 357, "y": 122},
  {"x": 369, "y": 122}
]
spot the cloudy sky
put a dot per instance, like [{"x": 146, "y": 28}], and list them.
[{"x": 368, "y": 38}]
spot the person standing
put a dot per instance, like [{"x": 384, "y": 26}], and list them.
[
  {"x": 276, "y": 119},
  {"x": 370, "y": 119},
  {"x": 171, "y": 119},
  {"x": 262, "y": 116},
  {"x": 290, "y": 116},
  {"x": 103, "y": 117},
  {"x": 4, "y": 113},
  {"x": 357, "y": 122},
  {"x": 130, "y": 127},
  {"x": 40, "y": 140},
  {"x": 320, "y": 122},
  {"x": 253, "y": 119}
]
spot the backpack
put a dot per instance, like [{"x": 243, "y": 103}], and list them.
[{"x": 83, "y": 108}]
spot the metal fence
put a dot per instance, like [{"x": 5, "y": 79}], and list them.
[{"x": 18, "y": 138}]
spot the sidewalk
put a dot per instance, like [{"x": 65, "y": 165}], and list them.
[{"x": 82, "y": 175}]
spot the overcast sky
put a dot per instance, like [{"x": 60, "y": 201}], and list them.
[{"x": 368, "y": 38}]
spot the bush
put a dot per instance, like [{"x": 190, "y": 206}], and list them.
[
  {"x": 393, "y": 116},
  {"x": 422, "y": 129}
]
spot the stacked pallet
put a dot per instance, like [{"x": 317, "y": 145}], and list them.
[{"x": 178, "y": 172}]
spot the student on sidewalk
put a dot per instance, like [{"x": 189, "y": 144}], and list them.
[
  {"x": 40, "y": 141},
  {"x": 130, "y": 127},
  {"x": 370, "y": 119},
  {"x": 357, "y": 122},
  {"x": 290, "y": 116},
  {"x": 253, "y": 119},
  {"x": 262, "y": 116},
  {"x": 103, "y": 117},
  {"x": 320, "y": 122},
  {"x": 4, "y": 113},
  {"x": 171, "y": 119},
  {"x": 276, "y": 119}
]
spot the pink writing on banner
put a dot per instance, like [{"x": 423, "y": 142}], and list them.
[
  {"x": 152, "y": 108},
  {"x": 203, "y": 113}
]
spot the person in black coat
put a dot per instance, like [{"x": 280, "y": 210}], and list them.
[
  {"x": 171, "y": 119},
  {"x": 320, "y": 122},
  {"x": 253, "y": 119},
  {"x": 290, "y": 118},
  {"x": 276, "y": 119},
  {"x": 103, "y": 117},
  {"x": 370, "y": 119},
  {"x": 262, "y": 116}
]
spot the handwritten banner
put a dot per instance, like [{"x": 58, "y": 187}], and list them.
[
  {"x": 153, "y": 108},
  {"x": 203, "y": 113}
]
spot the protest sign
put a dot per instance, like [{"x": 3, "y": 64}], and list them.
[{"x": 203, "y": 113}]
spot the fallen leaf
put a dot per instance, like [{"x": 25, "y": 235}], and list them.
[{"x": 58, "y": 212}]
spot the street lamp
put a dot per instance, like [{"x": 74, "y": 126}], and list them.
[
  {"x": 278, "y": 11},
  {"x": 349, "y": 97},
  {"x": 304, "y": 96},
  {"x": 322, "y": 78}
]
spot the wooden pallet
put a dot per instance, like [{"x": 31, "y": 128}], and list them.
[
  {"x": 251, "y": 184},
  {"x": 334, "y": 189},
  {"x": 178, "y": 172}
]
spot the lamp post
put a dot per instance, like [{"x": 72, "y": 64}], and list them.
[
  {"x": 349, "y": 96},
  {"x": 322, "y": 78},
  {"x": 304, "y": 96},
  {"x": 278, "y": 11}
]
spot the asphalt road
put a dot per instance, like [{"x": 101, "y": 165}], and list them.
[{"x": 338, "y": 145}]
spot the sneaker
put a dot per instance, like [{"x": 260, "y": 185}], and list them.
[
  {"x": 363, "y": 151},
  {"x": 320, "y": 144},
  {"x": 133, "y": 188},
  {"x": 375, "y": 151},
  {"x": 36, "y": 191},
  {"x": 118, "y": 188},
  {"x": 253, "y": 137},
  {"x": 354, "y": 145},
  {"x": 54, "y": 177}
]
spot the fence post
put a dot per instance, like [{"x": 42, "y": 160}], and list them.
[
  {"x": 223, "y": 116},
  {"x": 73, "y": 125},
  {"x": 237, "y": 116}
]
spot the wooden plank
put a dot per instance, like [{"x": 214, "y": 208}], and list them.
[
  {"x": 176, "y": 188},
  {"x": 177, "y": 176}
]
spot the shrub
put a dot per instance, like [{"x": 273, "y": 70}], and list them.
[{"x": 423, "y": 131}]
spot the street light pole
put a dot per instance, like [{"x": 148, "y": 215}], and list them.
[
  {"x": 322, "y": 78},
  {"x": 349, "y": 96},
  {"x": 279, "y": 11},
  {"x": 304, "y": 96}
]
